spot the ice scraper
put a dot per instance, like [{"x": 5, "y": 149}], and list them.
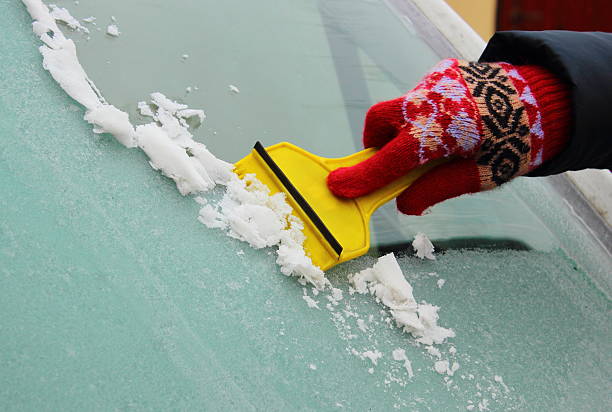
[{"x": 336, "y": 229}]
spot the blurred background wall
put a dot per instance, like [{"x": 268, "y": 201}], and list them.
[{"x": 487, "y": 16}]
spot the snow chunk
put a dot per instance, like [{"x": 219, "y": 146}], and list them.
[
  {"x": 336, "y": 296},
  {"x": 441, "y": 366},
  {"x": 211, "y": 217},
  {"x": 441, "y": 283},
  {"x": 258, "y": 225},
  {"x": 431, "y": 333},
  {"x": 172, "y": 160},
  {"x": 172, "y": 116},
  {"x": 423, "y": 246},
  {"x": 400, "y": 355},
  {"x": 61, "y": 61},
  {"x": 109, "y": 119},
  {"x": 252, "y": 215},
  {"x": 234, "y": 89},
  {"x": 113, "y": 30},
  {"x": 63, "y": 15},
  {"x": 386, "y": 281},
  {"x": 373, "y": 356},
  {"x": 145, "y": 109}
]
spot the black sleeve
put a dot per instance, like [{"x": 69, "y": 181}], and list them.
[{"x": 584, "y": 61}]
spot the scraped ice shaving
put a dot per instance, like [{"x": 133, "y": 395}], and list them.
[
  {"x": 336, "y": 296},
  {"x": 113, "y": 30},
  {"x": 211, "y": 217},
  {"x": 440, "y": 283},
  {"x": 89, "y": 19},
  {"x": 372, "y": 355},
  {"x": 172, "y": 160},
  {"x": 441, "y": 366},
  {"x": 433, "y": 351},
  {"x": 171, "y": 148},
  {"x": 63, "y": 15},
  {"x": 252, "y": 215},
  {"x": 109, "y": 119},
  {"x": 145, "y": 109},
  {"x": 247, "y": 211},
  {"x": 311, "y": 302},
  {"x": 61, "y": 61},
  {"x": 386, "y": 281},
  {"x": 423, "y": 247},
  {"x": 172, "y": 117},
  {"x": 234, "y": 89},
  {"x": 454, "y": 368},
  {"x": 400, "y": 355}
]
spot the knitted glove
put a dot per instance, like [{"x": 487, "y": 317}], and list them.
[{"x": 497, "y": 121}]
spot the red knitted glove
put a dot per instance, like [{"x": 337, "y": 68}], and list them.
[{"x": 497, "y": 120}]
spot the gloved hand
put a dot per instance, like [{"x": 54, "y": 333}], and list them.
[{"x": 497, "y": 121}]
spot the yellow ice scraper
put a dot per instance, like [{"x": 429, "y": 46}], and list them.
[{"x": 336, "y": 229}]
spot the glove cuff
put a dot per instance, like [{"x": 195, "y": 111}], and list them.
[{"x": 553, "y": 98}]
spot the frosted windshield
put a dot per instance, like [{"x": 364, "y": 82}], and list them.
[{"x": 114, "y": 296}]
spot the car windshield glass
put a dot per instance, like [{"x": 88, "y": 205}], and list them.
[{"x": 114, "y": 296}]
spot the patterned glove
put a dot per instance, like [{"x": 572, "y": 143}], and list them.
[{"x": 496, "y": 120}]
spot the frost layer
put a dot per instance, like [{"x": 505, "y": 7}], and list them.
[
  {"x": 386, "y": 281},
  {"x": 423, "y": 247}
]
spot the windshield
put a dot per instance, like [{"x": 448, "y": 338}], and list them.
[{"x": 115, "y": 297}]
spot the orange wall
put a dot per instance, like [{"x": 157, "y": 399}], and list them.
[{"x": 480, "y": 14}]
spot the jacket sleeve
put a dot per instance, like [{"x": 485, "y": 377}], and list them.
[{"x": 584, "y": 61}]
